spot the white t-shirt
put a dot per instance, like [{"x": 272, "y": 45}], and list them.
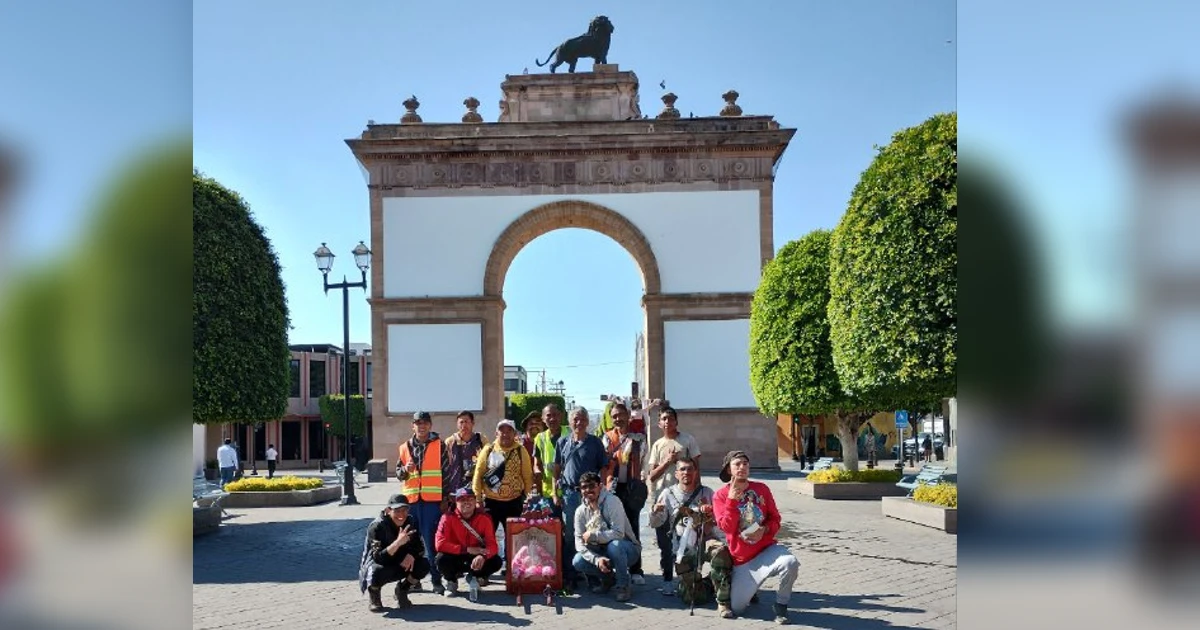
[
  {"x": 272, "y": 454},
  {"x": 227, "y": 456},
  {"x": 661, "y": 452}
]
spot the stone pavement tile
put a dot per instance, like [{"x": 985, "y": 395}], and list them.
[{"x": 296, "y": 568}]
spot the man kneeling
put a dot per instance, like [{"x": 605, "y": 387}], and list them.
[
  {"x": 604, "y": 538},
  {"x": 466, "y": 543},
  {"x": 392, "y": 552},
  {"x": 746, "y": 512}
]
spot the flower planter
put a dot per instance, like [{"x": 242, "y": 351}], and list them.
[
  {"x": 205, "y": 520},
  {"x": 847, "y": 490},
  {"x": 284, "y": 498},
  {"x": 927, "y": 514}
]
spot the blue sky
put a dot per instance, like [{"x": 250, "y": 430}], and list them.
[{"x": 278, "y": 86}]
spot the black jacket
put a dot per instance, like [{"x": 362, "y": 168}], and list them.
[{"x": 381, "y": 533}]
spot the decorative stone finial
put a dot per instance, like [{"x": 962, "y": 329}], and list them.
[
  {"x": 731, "y": 107},
  {"x": 411, "y": 104},
  {"x": 472, "y": 116},
  {"x": 669, "y": 110}
]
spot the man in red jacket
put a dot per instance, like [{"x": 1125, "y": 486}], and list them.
[
  {"x": 466, "y": 543},
  {"x": 746, "y": 512}
]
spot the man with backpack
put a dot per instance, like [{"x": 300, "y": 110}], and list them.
[{"x": 684, "y": 511}]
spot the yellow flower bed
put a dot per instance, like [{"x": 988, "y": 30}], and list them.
[
  {"x": 943, "y": 494},
  {"x": 278, "y": 484},
  {"x": 837, "y": 475}
]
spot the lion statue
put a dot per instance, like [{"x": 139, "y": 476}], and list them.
[{"x": 594, "y": 44}]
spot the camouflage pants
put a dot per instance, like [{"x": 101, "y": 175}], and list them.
[{"x": 720, "y": 569}]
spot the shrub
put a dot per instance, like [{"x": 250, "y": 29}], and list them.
[
  {"x": 943, "y": 494},
  {"x": 278, "y": 484},
  {"x": 839, "y": 475}
]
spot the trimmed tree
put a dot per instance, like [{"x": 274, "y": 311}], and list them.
[
  {"x": 893, "y": 272},
  {"x": 333, "y": 414},
  {"x": 239, "y": 313},
  {"x": 522, "y": 404},
  {"x": 791, "y": 360}
]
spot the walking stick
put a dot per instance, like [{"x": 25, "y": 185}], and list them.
[{"x": 699, "y": 566}]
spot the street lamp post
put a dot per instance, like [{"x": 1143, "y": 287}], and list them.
[{"x": 362, "y": 258}]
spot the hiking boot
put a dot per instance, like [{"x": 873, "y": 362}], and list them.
[
  {"x": 668, "y": 588},
  {"x": 472, "y": 588},
  {"x": 438, "y": 588},
  {"x": 781, "y": 617},
  {"x": 402, "y": 600},
  {"x": 623, "y": 593},
  {"x": 414, "y": 585},
  {"x": 452, "y": 588},
  {"x": 724, "y": 611},
  {"x": 606, "y": 584},
  {"x": 483, "y": 581},
  {"x": 376, "y": 601}
]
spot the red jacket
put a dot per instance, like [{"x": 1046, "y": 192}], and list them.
[
  {"x": 729, "y": 520},
  {"x": 453, "y": 537}
]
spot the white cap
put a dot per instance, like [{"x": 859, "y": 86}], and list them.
[{"x": 506, "y": 423}]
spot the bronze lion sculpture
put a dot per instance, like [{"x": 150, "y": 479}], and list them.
[{"x": 593, "y": 44}]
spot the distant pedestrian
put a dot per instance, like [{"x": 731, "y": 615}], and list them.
[
  {"x": 227, "y": 461},
  {"x": 272, "y": 458},
  {"x": 927, "y": 448},
  {"x": 872, "y": 447}
]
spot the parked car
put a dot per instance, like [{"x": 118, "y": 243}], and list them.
[{"x": 911, "y": 445}]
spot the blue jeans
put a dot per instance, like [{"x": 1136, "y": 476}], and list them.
[
  {"x": 227, "y": 475},
  {"x": 571, "y": 500},
  {"x": 427, "y": 515},
  {"x": 622, "y": 553}
]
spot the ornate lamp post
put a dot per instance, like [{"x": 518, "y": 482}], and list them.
[{"x": 362, "y": 258}]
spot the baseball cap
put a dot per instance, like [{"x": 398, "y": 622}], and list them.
[
  {"x": 729, "y": 457},
  {"x": 463, "y": 493},
  {"x": 397, "y": 501},
  {"x": 421, "y": 415},
  {"x": 506, "y": 423}
]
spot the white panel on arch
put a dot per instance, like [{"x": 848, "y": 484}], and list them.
[
  {"x": 705, "y": 242},
  {"x": 708, "y": 364},
  {"x": 435, "y": 367}
]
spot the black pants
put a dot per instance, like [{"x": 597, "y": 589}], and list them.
[
  {"x": 666, "y": 561},
  {"x": 454, "y": 566},
  {"x": 270, "y": 468},
  {"x": 633, "y": 511},
  {"x": 501, "y": 511},
  {"x": 387, "y": 573}
]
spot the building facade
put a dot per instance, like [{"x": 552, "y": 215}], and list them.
[{"x": 516, "y": 380}]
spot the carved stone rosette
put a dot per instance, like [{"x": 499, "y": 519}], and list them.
[
  {"x": 472, "y": 116},
  {"x": 731, "y": 107},
  {"x": 410, "y": 115},
  {"x": 669, "y": 110}
]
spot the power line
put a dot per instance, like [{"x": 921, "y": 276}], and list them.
[{"x": 564, "y": 367}]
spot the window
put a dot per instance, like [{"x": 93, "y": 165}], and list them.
[
  {"x": 368, "y": 377},
  {"x": 294, "y": 377},
  {"x": 352, "y": 376},
  {"x": 316, "y": 379}
]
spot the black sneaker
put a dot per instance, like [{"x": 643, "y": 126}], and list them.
[
  {"x": 438, "y": 587},
  {"x": 402, "y": 600}
]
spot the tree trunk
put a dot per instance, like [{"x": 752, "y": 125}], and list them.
[{"x": 848, "y": 435}]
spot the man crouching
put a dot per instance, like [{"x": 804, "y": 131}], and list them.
[
  {"x": 466, "y": 543},
  {"x": 604, "y": 538},
  {"x": 392, "y": 552}
]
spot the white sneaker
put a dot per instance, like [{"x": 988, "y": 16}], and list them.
[
  {"x": 472, "y": 588},
  {"x": 638, "y": 579},
  {"x": 451, "y": 588},
  {"x": 668, "y": 588}
]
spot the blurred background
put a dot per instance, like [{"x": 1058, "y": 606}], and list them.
[{"x": 1080, "y": 342}]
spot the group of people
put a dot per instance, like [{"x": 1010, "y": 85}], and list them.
[{"x": 456, "y": 492}]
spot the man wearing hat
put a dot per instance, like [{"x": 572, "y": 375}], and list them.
[
  {"x": 392, "y": 552},
  {"x": 504, "y": 474},
  {"x": 745, "y": 510},
  {"x": 422, "y": 469},
  {"x": 466, "y": 543}
]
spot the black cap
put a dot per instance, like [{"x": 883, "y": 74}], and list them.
[
  {"x": 397, "y": 501},
  {"x": 729, "y": 457},
  {"x": 421, "y": 415}
]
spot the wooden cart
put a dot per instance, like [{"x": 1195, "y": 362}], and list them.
[{"x": 544, "y": 535}]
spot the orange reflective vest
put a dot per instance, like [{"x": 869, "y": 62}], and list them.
[{"x": 426, "y": 483}]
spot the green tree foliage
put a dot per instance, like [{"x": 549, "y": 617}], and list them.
[
  {"x": 893, "y": 271},
  {"x": 239, "y": 314},
  {"x": 333, "y": 413},
  {"x": 522, "y": 404},
  {"x": 791, "y": 360}
]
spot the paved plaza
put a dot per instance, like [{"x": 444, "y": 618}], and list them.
[{"x": 297, "y": 568}]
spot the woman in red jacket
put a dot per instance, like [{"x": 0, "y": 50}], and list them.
[
  {"x": 746, "y": 512},
  {"x": 466, "y": 543}
]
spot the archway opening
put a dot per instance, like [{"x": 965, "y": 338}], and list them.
[{"x": 573, "y": 320}]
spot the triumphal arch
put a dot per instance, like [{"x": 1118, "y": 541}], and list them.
[{"x": 690, "y": 199}]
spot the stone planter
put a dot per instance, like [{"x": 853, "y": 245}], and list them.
[
  {"x": 205, "y": 520},
  {"x": 847, "y": 490},
  {"x": 287, "y": 498},
  {"x": 377, "y": 471},
  {"x": 927, "y": 514}
]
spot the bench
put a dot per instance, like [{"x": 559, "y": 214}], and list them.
[
  {"x": 208, "y": 494},
  {"x": 927, "y": 476},
  {"x": 825, "y": 463}
]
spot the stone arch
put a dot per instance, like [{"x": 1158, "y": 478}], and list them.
[{"x": 569, "y": 214}]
